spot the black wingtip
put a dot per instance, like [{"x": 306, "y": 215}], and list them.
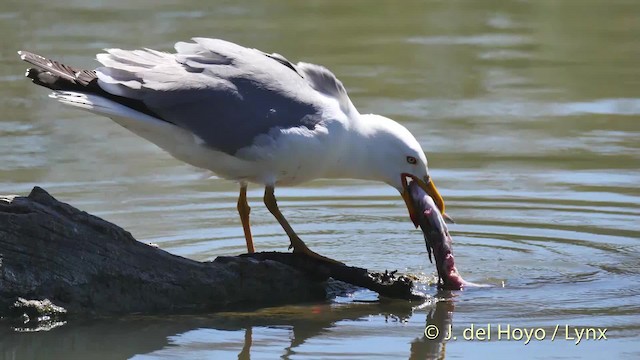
[{"x": 32, "y": 73}]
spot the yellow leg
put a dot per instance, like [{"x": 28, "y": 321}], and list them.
[
  {"x": 244, "y": 209},
  {"x": 296, "y": 243}
]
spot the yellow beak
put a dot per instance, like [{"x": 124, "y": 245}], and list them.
[{"x": 430, "y": 188}]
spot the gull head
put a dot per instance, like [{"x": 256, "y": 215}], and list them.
[{"x": 396, "y": 158}]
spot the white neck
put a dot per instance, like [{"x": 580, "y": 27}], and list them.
[{"x": 358, "y": 156}]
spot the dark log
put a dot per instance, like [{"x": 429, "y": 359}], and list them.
[
  {"x": 88, "y": 266},
  {"x": 386, "y": 284}
]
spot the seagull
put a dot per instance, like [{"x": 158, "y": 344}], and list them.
[{"x": 247, "y": 116}]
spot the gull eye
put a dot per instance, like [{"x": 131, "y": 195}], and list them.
[{"x": 411, "y": 160}]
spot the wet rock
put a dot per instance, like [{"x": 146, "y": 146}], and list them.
[
  {"x": 36, "y": 315},
  {"x": 88, "y": 266}
]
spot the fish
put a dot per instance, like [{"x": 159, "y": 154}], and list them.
[{"x": 437, "y": 239}]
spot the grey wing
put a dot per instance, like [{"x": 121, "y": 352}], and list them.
[
  {"x": 321, "y": 79},
  {"x": 224, "y": 93}
]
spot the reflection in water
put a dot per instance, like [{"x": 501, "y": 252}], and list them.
[
  {"x": 245, "y": 353},
  {"x": 229, "y": 333},
  {"x": 153, "y": 335},
  {"x": 440, "y": 317}
]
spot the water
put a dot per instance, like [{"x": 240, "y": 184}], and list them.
[{"x": 529, "y": 113}]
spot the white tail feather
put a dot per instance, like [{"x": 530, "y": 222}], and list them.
[
  {"x": 181, "y": 143},
  {"x": 162, "y": 133},
  {"x": 99, "y": 105}
]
